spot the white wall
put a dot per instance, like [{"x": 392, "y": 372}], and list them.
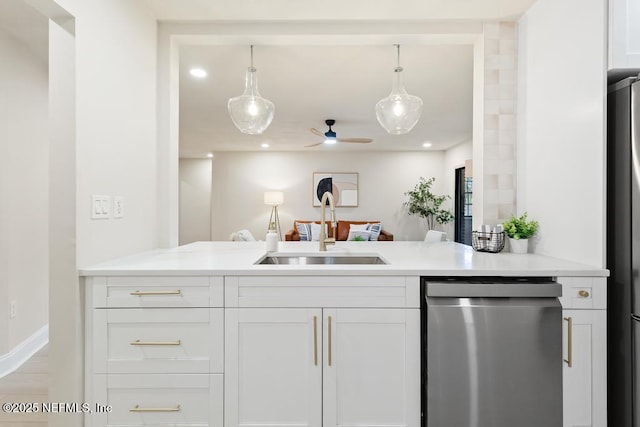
[
  {"x": 116, "y": 124},
  {"x": 241, "y": 178},
  {"x": 24, "y": 174},
  {"x": 115, "y": 154},
  {"x": 561, "y": 142},
  {"x": 195, "y": 200}
]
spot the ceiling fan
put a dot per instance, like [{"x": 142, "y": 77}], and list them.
[{"x": 330, "y": 137}]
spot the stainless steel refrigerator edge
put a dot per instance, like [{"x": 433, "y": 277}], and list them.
[
  {"x": 623, "y": 253},
  {"x": 492, "y": 353}
]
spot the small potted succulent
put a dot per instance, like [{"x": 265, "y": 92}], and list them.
[{"x": 519, "y": 230}]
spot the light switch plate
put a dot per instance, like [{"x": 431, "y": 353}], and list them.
[{"x": 100, "y": 207}]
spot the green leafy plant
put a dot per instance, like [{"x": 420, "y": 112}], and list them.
[
  {"x": 359, "y": 239},
  {"x": 425, "y": 204},
  {"x": 520, "y": 228}
]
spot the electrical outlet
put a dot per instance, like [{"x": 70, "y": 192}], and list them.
[
  {"x": 13, "y": 310},
  {"x": 118, "y": 207}
]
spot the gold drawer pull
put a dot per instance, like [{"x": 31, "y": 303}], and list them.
[
  {"x": 138, "y": 342},
  {"x": 583, "y": 293},
  {"x": 146, "y": 293},
  {"x": 137, "y": 408}
]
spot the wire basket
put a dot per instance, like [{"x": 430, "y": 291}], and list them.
[{"x": 487, "y": 242}]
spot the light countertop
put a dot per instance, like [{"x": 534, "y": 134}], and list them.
[{"x": 403, "y": 258}]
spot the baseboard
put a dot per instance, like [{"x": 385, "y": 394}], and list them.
[{"x": 22, "y": 352}]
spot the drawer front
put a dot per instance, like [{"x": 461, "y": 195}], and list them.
[
  {"x": 322, "y": 291},
  {"x": 158, "y": 340},
  {"x": 584, "y": 292},
  {"x": 159, "y": 400},
  {"x": 166, "y": 291}
]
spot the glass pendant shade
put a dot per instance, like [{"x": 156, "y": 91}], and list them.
[
  {"x": 251, "y": 113},
  {"x": 399, "y": 112}
]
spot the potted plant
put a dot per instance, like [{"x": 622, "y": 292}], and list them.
[
  {"x": 425, "y": 204},
  {"x": 519, "y": 230}
]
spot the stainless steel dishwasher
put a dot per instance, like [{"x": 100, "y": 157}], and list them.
[{"x": 492, "y": 352}]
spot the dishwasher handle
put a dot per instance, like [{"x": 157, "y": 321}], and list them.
[{"x": 493, "y": 290}]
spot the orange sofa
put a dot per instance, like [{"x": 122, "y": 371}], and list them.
[{"x": 342, "y": 230}]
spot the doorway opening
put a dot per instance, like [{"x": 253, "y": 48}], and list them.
[{"x": 463, "y": 207}]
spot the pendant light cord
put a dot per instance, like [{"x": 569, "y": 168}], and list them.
[
  {"x": 398, "y": 68},
  {"x": 252, "y": 67}
]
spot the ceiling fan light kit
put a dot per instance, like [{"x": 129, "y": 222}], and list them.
[
  {"x": 330, "y": 137},
  {"x": 251, "y": 113},
  {"x": 399, "y": 112}
]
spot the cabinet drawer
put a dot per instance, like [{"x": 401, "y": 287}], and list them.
[
  {"x": 322, "y": 291},
  {"x": 583, "y": 292},
  {"x": 166, "y": 291},
  {"x": 176, "y": 400},
  {"x": 158, "y": 340}
]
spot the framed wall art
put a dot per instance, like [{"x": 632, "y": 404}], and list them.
[{"x": 342, "y": 185}]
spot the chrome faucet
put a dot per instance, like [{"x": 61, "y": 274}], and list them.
[{"x": 324, "y": 240}]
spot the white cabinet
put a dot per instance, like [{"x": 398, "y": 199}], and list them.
[
  {"x": 324, "y": 365},
  {"x": 272, "y": 367},
  {"x": 371, "y": 370},
  {"x": 584, "y": 351},
  {"x": 624, "y": 34},
  {"x": 154, "y": 350}
]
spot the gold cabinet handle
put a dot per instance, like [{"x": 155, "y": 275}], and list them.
[
  {"x": 315, "y": 340},
  {"x": 137, "y": 408},
  {"x": 583, "y": 293},
  {"x": 569, "y": 359},
  {"x": 147, "y": 293},
  {"x": 138, "y": 342},
  {"x": 329, "y": 342}
]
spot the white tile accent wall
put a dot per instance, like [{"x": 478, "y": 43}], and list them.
[{"x": 499, "y": 169}]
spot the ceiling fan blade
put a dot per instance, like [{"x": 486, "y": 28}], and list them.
[
  {"x": 314, "y": 145},
  {"x": 356, "y": 140},
  {"x": 316, "y": 132}
]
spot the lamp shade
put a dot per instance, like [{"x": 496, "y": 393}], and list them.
[{"x": 273, "y": 198}]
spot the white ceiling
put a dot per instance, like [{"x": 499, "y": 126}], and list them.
[
  {"x": 25, "y": 24},
  {"x": 309, "y": 84},
  {"x": 341, "y": 81},
  {"x": 312, "y": 82}
]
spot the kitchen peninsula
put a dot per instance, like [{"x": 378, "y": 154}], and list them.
[{"x": 304, "y": 344}]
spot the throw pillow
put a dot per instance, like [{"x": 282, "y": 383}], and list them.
[
  {"x": 304, "y": 230},
  {"x": 315, "y": 231},
  {"x": 358, "y": 227},
  {"x": 375, "y": 229},
  {"x": 361, "y": 235}
]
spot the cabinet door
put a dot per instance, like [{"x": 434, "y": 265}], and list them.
[
  {"x": 584, "y": 372},
  {"x": 371, "y": 367},
  {"x": 273, "y": 367},
  {"x": 624, "y": 34}
]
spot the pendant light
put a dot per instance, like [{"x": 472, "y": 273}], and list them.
[
  {"x": 399, "y": 112},
  {"x": 250, "y": 112}
]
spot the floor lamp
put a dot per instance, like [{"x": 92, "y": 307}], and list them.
[{"x": 274, "y": 198}]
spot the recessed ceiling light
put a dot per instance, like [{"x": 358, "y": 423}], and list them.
[
  {"x": 427, "y": 144},
  {"x": 264, "y": 145},
  {"x": 210, "y": 155},
  {"x": 198, "y": 72}
]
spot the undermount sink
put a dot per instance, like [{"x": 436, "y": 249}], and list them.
[{"x": 320, "y": 259}]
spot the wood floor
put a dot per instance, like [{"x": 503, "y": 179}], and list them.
[{"x": 28, "y": 384}]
